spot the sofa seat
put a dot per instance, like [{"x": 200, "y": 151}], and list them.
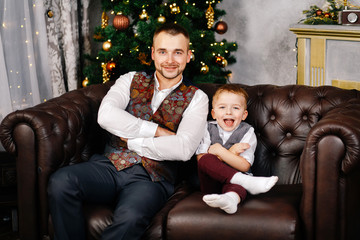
[
  {"x": 279, "y": 206},
  {"x": 273, "y": 215}
]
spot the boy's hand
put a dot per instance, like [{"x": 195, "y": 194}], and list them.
[
  {"x": 239, "y": 148},
  {"x": 216, "y": 149}
]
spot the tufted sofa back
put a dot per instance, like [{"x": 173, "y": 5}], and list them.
[{"x": 282, "y": 117}]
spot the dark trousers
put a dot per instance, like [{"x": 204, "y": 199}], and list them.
[
  {"x": 135, "y": 197},
  {"x": 215, "y": 176}
]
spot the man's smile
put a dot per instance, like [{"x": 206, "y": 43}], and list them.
[{"x": 170, "y": 67}]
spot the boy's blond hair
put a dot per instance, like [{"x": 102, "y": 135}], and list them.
[{"x": 232, "y": 88}]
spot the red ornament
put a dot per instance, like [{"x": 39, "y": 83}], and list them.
[
  {"x": 221, "y": 27},
  {"x": 319, "y": 12},
  {"x": 121, "y": 22},
  {"x": 218, "y": 59},
  {"x": 110, "y": 66}
]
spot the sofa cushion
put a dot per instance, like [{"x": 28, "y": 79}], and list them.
[{"x": 273, "y": 215}]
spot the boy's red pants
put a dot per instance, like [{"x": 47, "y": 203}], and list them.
[{"x": 215, "y": 176}]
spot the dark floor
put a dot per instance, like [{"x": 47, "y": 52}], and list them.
[{"x": 6, "y": 232}]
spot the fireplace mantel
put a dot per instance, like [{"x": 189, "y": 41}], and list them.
[{"x": 328, "y": 55}]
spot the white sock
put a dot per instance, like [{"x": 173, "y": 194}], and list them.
[
  {"x": 252, "y": 184},
  {"x": 227, "y": 201}
]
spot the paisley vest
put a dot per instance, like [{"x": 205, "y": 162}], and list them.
[{"x": 168, "y": 115}]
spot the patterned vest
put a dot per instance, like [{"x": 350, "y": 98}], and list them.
[
  {"x": 168, "y": 115},
  {"x": 235, "y": 137}
]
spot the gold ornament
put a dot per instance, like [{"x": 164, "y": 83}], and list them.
[
  {"x": 106, "y": 75},
  {"x": 161, "y": 19},
  {"x": 107, "y": 45},
  {"x": 50, "y": 13},
  {"x": 121, "y": 22},
  {"x": 224, "y": 63},
  {"x": 144, "y": 15},
  {"x": 85, "y": 82},
  {"x": 104, "y": 20},
  {"x": 174, "y": 9},
  {"x": 204, "y": 69},
  {"x": 192, "y": 57},
  {"x": 209, "y": 14}
]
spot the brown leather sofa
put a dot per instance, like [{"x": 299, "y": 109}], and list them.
[{"x": 309, "y": 137}]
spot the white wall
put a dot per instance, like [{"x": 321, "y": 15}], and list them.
[{"x": 266, "y": 46}]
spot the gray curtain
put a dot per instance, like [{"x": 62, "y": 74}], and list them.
[{"x": 67, "y": 25}]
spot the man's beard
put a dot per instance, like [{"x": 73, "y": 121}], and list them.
[{"x": 163, "y": 73}]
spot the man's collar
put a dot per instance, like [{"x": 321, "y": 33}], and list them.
[{"x": 172, "y": 88}]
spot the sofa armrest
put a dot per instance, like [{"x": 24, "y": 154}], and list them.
[
  {"x": 45, "y": 137},
  {"x": 330, "y": 170}
]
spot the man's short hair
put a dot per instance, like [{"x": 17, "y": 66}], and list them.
[{"x": 172, "y": 29}]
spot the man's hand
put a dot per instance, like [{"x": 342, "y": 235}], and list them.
[
  {"x": 163, "y": 132},
  {"x": 239, "y": 148},
  {"x": 123, "y": 143}
]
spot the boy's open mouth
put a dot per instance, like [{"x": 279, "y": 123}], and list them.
[{"x": 228, "y": 122}]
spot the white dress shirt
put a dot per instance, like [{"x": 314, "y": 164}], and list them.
[
  {"x": 249, "y": 137},
  {"x": 141, "y": 133}
]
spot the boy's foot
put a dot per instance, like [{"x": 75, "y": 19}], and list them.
[
  {"x": 254, "y": 185},
  {"x": 227, "y": 201}
]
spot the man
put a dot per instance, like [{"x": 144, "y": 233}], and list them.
[{"x": 154, "y": 121}]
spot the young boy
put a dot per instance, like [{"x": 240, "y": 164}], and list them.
[{"x": 226, "y": 152}]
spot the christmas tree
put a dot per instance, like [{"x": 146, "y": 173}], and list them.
[{"x": 126, "y": 36}]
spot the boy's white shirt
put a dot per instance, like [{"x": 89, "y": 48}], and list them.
[{"x": 249, "y": 138}]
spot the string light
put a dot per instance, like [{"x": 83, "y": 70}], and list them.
[{"x": 21, "y": 103}]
